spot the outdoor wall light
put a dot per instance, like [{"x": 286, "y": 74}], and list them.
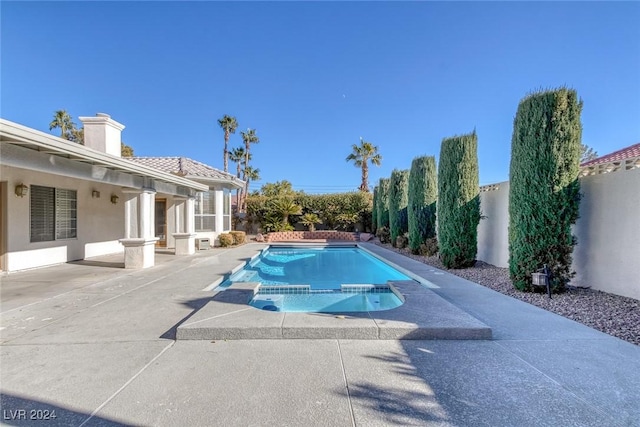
[
  {"x": 21, "y": 190},
  {"x": 114, "y": 199},
  {"x": 95, "y": 194}
]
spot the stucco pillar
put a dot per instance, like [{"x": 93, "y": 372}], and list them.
[
  {"x": 189, "y": 216},
  {"x": 184, "y": 235},
  {"x": 131, "y": 223},
  {"x": 139, "y": 241},
  {"x": 219, "y": 197}
]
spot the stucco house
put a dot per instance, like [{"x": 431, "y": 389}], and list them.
[
  {"x": 212, "y": 208},
  {"x": 61, "y": 201}
]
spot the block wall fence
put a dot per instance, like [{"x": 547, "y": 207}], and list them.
[
  {"x": 607, "y": 256},
  {"x": 285, "y": 236}
]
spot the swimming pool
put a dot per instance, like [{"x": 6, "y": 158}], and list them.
[
  {"x": 349, "y": 299},
  {"x": 319, "y": 267}
]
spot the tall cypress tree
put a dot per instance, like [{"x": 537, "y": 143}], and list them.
[
  {"x": 544, "y": 195},
  {"x": 374, "y": 210},
  {"x": 398, "y": 200},
  {"x": 383, "y": 203},
  {"x": 458, "y": 201},
  {"x": 423, "y": 195}
]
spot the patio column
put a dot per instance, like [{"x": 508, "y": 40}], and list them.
[
  {"x": 184, "y": 235},
  {"x": 190, "y": 215},
  {"x": 219, "y": 197},
  {"x": 139, "y": 239}
]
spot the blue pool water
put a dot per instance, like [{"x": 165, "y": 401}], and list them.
[
  {"x": 327, "y": 301},
  {"x": 321, "y": 268}
]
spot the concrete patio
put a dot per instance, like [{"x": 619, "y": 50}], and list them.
[
  {"x": 423, "y": 315},
  {"x": 96, "y": 344}
]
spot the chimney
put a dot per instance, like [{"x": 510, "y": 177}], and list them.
[{"x": 102, "y": 133}]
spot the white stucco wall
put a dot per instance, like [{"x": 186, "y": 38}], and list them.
[
  {"x": 100, "y": 223},
  {"x": 493, "y": 237},
  {"x": 213, "y": 236},
  {"x": 607, "y": 256}
]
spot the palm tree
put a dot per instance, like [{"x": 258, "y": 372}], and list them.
[
  {"x": 76, "y": 135},
  {"x": 310, "y": 220},
  {"x": 285, "y": 206},
  {"x": 249, "y": 137},
  {"x": 361, "y": 156},
  {"x": 62, "y": 120},
  {"x": 229, "y": 124},
  {"x": 126, "y": 150},
  {"x": 237, "y": 156},
  {"x": 250, "y": 174}
]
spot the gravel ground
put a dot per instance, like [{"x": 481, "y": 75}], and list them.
[{"x": 612, "y": 314}]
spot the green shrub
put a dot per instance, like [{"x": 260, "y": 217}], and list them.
[
  {"x": 383, "y": 203},
  {"x": 365, "y": 220},
  {"x": 544, "y": 193},
  {"x": 239, "y": 237},
  {"x": 374, "y": 210},
  {"x": 310, "y": 220},
  {"x": 338, "y": 210},
  {"x": 383, "y": 235},
  {"x": 458, "y": 201},
  {"x": 258, "y": 212},
  {"x": 274, "y": 223},
  {"x": 402, "y": 241},
  {"x": 423, "y": 195},
  {"x": 226, "y": 240},
  {"x": 346, "y": 221},
  {"x": 429, "y": 247},
  {"x": 398, "y": 199},
  {"x": 284, "y": 207}
]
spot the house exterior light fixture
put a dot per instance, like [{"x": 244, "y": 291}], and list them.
[
  {"x": 95, "y": 194},
  {"x": 21, "y": 190},
  {"x": 114, "y": 199}
]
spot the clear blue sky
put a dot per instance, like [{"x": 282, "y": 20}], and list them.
[{"x": 313, "y": 77}]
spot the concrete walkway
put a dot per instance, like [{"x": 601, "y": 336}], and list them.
[{"x": 95, "y": 343}]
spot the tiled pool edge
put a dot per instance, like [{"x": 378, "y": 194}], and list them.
[{"x": 424, "y": 315}]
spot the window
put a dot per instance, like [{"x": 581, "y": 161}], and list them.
[
  {"x": 226, "y": 216},
  {"x": 54, "y": 214},
  {"x": 206, "y": 211}
]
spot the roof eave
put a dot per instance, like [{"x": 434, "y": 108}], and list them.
[
  {"x": 22, "y": 135},
  {"x": 235, "y": 183}
]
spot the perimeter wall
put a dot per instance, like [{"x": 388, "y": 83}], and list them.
[{"x": 607, "y": 256}]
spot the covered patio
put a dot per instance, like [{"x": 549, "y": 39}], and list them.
[{"x": 62, "y": 201}]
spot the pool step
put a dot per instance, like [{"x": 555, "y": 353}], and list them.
[{"x": 424, "y": 315}]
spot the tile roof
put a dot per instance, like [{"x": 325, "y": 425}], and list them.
[
  {"x": 186, "y": 167},
  {"x": 623, "y": 154}
]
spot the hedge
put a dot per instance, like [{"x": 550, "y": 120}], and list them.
[
  {"x": 226, "y": 239},
  {"x": 458, "y": 201},
  {"x": 383, "y": 203},
  {"x": 374, "y": 211},
  {"x": 544, "y": 195},
  {"x": 398, "y": 199},
  {"x": 341, "y": 211},
  {"x": 423, "y": 195}
]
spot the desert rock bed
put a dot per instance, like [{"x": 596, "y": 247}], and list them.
[{"x": 612, "y": 314}]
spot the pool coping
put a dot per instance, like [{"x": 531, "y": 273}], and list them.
[{"x": 424, "y": 315}]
